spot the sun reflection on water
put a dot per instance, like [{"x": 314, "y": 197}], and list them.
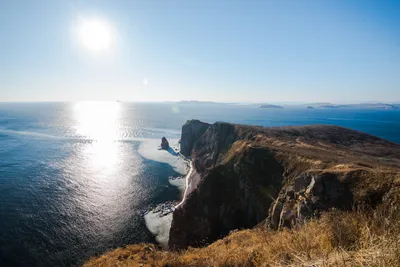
[
  {"x": 102, "y": 169},
  {"x": 99, "y": 122}
]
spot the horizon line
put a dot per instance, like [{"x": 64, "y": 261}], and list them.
[{"x": 211, "y": 102}]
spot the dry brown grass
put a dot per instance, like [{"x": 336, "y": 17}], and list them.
[{"x": 337, "y": 239}]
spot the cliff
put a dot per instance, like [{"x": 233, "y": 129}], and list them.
[
  {"x": 191, "y": 131},
  {"x": 245, "y": 174},
  {"x": 333, "y": 194}
]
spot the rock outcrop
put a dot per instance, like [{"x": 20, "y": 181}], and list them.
[
  {"x": 316, "y": 191},
  {"x": 191, "y": 131},
  {"x": 164, "y": 143},
  {"x": 245, "y": 174},
  {"x": 310, "y": 193}
]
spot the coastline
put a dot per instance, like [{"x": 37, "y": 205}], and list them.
[{"x": 158, "y": 219}]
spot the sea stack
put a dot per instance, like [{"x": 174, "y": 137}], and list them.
[{"x": 164, "y": 143}]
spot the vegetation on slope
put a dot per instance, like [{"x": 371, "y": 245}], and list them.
[
  {"x": 358, "y": 238},
  {"x": 284, "y": 175},
  {"x": 318, "y": 170}
]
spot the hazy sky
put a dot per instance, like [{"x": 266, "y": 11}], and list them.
[{"x": 241, "y": 51}]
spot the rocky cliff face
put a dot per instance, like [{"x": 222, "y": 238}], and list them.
[
  {"x": 191, "y": 131},
  {"x": 245, "y": 174}
]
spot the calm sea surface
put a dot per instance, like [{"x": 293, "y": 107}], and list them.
[{"x": 72, "y": 183}]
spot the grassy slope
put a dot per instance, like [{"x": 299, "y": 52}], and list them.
[{"x": 336, "y": 239}]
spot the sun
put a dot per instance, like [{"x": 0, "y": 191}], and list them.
[{"x": 95, "y": 35}]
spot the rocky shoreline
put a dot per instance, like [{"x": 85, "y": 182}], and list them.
[{"x": 168, "y": 207}]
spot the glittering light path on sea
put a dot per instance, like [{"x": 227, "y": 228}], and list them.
[{"x": 187, "y": 184}]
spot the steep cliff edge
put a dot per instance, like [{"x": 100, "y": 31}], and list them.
[
  {"x": 245, "y": 174},
  {"x": 191, "y": 131}
]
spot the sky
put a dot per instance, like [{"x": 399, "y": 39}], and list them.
[{"x": 208, "y": 50}]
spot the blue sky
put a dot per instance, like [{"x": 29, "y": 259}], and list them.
[{"x": 228, "y": 51}]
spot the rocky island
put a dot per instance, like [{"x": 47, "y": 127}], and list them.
[
  {"x": 356, "y": 106},
  {"x": 270, "y": 106},
  {"x": 276, "y": 178}
]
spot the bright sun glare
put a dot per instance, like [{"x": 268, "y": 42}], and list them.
[
  {"x": 99, "y": 123},
  {"x": 95, "y": 35}
]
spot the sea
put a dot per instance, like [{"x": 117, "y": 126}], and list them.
[{"x": 79, "y": 179}]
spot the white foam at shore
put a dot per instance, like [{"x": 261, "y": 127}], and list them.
[
  {"x": 180, "y": 183},
  {"x": 149, "y": 149},
  {"x": 159, "y": 227}
]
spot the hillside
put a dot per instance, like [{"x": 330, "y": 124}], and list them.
[{"x": 288, "y": 179}]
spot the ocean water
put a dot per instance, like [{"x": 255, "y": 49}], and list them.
[{"x": 75, "y": 177}]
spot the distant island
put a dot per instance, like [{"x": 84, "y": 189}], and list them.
[
  {"x": 270, "y": 106},
  {"x": 196, "y": 102},
  {"x": 315, "y": 105},
  {"x": 361, "y": 105}
]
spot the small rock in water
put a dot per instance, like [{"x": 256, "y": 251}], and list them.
[{"x": 164, "y": 143}]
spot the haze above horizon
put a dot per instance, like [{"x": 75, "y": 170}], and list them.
[{"x": 223, "y": 51}]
